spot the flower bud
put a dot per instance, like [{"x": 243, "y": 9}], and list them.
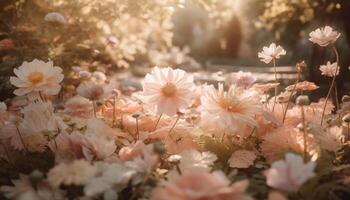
[
  {"x": 175, "y": 158},
  {"x": 159, "y": 147},
  {"x": 302, "y": 100}
]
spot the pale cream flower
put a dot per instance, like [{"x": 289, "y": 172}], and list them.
[
  {"x": 242, "y": 159},
  {"x": 79, "y": 172},
  {"x": 231, "y": 108},
  {"x": 324, "y": 36},
  {"x": 201, "y": 185},
  {"x": 271, "y": 53},
  {"x": 330, "y": 69},
  {"x": 289, "y": 174},
  {"x": 167, "y": 90},
  {"x": 37, "y": 76}
]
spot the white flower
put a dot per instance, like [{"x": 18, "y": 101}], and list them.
[
  {"x": 194, "y": 161},
  {"x": 55, "y": 17},
  {"x": 271, "y": 53},
  {"x": 79, "y": 172},
  {"x": 289, "y": 174},
  {"x": 330, "y": 69},
  {"x": 39, "y": 117},
  {"x": 230, "y": 108},
  {"x": 167, "y": 90},
  {"x": 110, "y": 176},
  {"x": 37, "y": 76},
  {"x": 324, "y": 36}
]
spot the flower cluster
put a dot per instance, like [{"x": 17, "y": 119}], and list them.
[{"x": 170, "y": 138}]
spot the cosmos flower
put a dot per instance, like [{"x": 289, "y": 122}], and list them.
[
  {"x": 37, "y": 76},
  {"x": 77, "y": 172},
  {"x": 330, "y": 69},
  {"x": 167, "y": 90},
  {"x": 201, "y": 185},
  {"x": 289, "y": 174},
  {"x": 271, "y": 53},
  {"x": 241, "y": 79},
  {"x": 324, "y": 36},
  {"x": 55, "y": 17},
  {"x": 233, "y": 107}
]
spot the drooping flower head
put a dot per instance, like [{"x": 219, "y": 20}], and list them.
[
  {"x": 330, "y": 69},
  {"x": 270, "y": 53},
  {"x": 324, "y": 36},
  {"x": 289, "y": 174},
  {"x": 232, "y": 108},
  {"x": 37, "y": 76},
  {"x": 167, "y": 90}
]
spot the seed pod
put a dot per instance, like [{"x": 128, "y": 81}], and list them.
[{"x": 302, "y": 100}]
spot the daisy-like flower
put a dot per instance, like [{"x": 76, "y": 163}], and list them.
[
  {"x": 324, "y": 36},
  {"x": 271, "y": 53},
  {"x": 232, "y": 108},
  {"x": 167, "y": 90},
  {"x": 303, "y": 86},
  {"x": 91, "y": 90},
  {"x": 289, "y": 174},
  {"x": 241, "y": 79},
  {"x": 330, "y": 69},
  {"x": 201, "y": 185},
  {"x": 37, "y": 76}
]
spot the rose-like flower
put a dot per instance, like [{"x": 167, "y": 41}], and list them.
[
  {"x": 324, "y": 36},
  {"x": 289, "y": 174},
  {"x": 201, "y": 185},
  {"x": 37, "y": 76},
  {"x": 167, "y": 90},
  {"x": 330, "y": 69},
  {"x": 271, "y": 53}
]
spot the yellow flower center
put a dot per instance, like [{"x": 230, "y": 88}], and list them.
[
  {"x": 169, "y": 90},
  {"x": 232, "y": 106},
  {"x": 35, "y": 77}
]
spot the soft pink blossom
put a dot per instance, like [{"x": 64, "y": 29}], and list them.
[
  {"x": 270, "y": 53},
  {"x": 324, "y": 36}
]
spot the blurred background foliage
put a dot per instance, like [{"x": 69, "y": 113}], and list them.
[{"x": 138, "y": 34}]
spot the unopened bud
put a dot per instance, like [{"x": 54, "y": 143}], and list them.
[
  {"x": 159, "y": 147},
  {"x": 302, "y": 100},
  {"x": 175, "y": 158}
]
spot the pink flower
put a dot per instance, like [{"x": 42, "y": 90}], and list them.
[
  {"x": 271, "y": 53},
  {"x": 330, "y": 69},
  {"x": 324, "y": 36},
  {"x": 289, "y": 174},
  {"x": 133, "y": 150},
  {"x": 232, "y": 108},
  {"x": 241, "y": 79},
  {"x": 167, "y": 90},
  {"x": 91, "y": 90},
  {"x": 201, "y": 186}
]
